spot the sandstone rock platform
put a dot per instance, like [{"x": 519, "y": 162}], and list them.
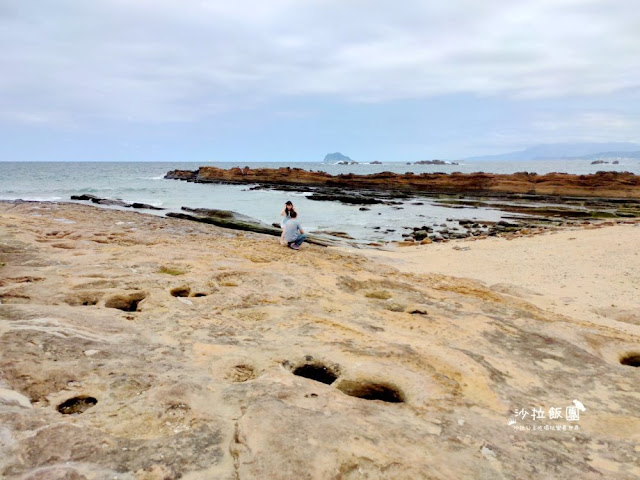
[
  {"x": 600, "y": 185},
  {"x": 139, "y": 347}
]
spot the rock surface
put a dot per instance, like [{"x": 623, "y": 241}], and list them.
[
  {"x": 113, "y": 202},
  {"x": 601, "y": 184},
  {"x": 336, "y": 157},
  {"x": 434, "y": 162},
  {"x": 235, "y": 221},
  {"x": 315, "y": 364}
]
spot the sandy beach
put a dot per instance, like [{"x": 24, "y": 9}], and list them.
[
  {"x": 139, "y": 347},
  {"x": 588, "y": 274}
]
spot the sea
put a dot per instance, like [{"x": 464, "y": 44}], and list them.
[{"x": 144, "y": 182}]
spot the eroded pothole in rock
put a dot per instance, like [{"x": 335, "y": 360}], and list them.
[
  {"x": 241, "y": 373},
  {"x": 126, "y": 302},
  {"x": 181, "y": 291},
  {"x": 83, "y": 299},
  {"x": 631, "y": 359},
  {"x": 177, "y": 410},
  {"x": 77, "y": 405},
  {"x": 372, "y": 391},
  {"x": 318, "y": 372}
]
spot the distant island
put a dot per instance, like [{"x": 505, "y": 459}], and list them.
[
  {"x": 434, "y": 162},
  {"x": 338, "y": 158}
]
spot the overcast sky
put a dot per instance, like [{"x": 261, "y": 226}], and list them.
[{"x": 291, "y": 80}]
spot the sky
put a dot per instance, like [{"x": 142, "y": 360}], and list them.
[{"x": 292, "y": 80}]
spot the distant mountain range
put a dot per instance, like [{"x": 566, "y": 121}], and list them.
[
  {"x": 561, "y": 151},
  {"x": 612, "y": 155}
]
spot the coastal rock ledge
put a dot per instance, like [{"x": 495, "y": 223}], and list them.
[
  {"x": 139, "y": 347},
  {"x": 600, "y": 184}
]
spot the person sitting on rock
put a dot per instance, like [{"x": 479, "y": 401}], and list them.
[
  {"x": 286, "y": 213},
  {"x": 293, "y": 233}
]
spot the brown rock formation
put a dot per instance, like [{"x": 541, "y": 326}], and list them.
[{"x": 601, "y": 184}]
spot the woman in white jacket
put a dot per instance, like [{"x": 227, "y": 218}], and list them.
[{"x": 286, "y": 214}]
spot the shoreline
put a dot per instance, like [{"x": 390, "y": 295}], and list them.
[
  {"x": 151, "y": 347},
  {"x": 588, "y": 273},
  {"x": 532, "y": 202},
  {"x": 455, "y": 229}
]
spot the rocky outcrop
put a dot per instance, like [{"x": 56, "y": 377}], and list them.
[
  {"x": 434, "y": 162},
  {"x": 337, "y": 157},
  {"x": 187, "y": 175},
  {"x": 113, "y": 202},
  {"x": 481, "y": 229},
  {"x": 349, "y": 199},
  {"x": 601, "y": 184},
  {"x": 153, "y": 348},
  {"x": 236, "y": 221}
]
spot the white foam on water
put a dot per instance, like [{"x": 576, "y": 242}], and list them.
[{"x": 28, "y": 198}]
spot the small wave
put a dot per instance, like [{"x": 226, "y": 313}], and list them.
[
  {"x": 134, "y": 189},
  {"x": 71, "y": 191},
  {"x": 94, "y": 190},
  {"x": 155, "y": 203},
  {"x": 27, "y": 198},
  {"x": 98, "y": 191}
]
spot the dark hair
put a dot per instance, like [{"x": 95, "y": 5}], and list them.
[
  {"x": 288, "y": 202},
  {"x": 293, "y": 214}
]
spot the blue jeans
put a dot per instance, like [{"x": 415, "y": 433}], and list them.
[{"x": 298, "y": 241}]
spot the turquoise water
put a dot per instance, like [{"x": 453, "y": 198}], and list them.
[{"x": 143, "y": 182}]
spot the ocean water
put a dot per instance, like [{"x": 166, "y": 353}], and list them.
[{"x": 143, "y": 182}]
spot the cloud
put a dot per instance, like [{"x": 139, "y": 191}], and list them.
[
  {"x": 589, "y": 121},
  {"x": 588, "y": 126},
  {"x": 559, "y": 127},
  {"x": 161, "y": 60}
]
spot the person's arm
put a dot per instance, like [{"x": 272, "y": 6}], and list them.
[
  {"x": 282, "y": 212},
  {"x": 300, "y": 228}
]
